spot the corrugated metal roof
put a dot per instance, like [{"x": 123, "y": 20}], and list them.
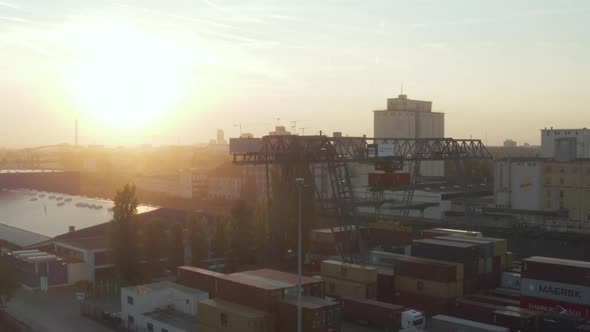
[{"x": 20, "y": 237}]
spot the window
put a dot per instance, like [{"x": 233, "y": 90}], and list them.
[
  {"x": 548, "y": 204},
  {"x": 561, "y": 194},
  {"x": 130, "y": 321},
  {"x": 130, "y": 300},
  {"x": 547, "y": 180},
  {"x": 150, "y": 327},
  {"x": 561, "y": 181},
  {"x": 575, "y": 170},
  {"x": 562, "y": 170}
]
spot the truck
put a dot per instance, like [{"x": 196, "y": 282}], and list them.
[
  {"x": 385, "y": 316},
  {"x": 443, "y": 323}
]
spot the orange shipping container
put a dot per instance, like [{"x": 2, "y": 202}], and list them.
[
  {"x": 338, "y": 288},
  {"x": 231, "y": 317}
]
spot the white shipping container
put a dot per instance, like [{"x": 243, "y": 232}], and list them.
[
  {"x": 555, "y": 291},
  {"x": 511, "y": 280}
]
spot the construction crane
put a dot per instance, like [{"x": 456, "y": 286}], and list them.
[{"x": 334, "y": 154}]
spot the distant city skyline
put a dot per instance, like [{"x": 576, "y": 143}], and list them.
[{"x": 152, "y": 72}]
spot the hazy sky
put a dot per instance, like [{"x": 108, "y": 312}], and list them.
[{"x": 186, "y": 67}]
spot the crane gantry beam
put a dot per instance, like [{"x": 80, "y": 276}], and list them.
[{"x": 320, "y": 149}]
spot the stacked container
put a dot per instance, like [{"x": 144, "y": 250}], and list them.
[
  {"x": 551, "y": 284},
  {"x": 194, "y": 277},
  {"x": 318, "y": 315},
  {"x": 343, "y": 279},
  {"x": 217, "y": 315},
  {"x": 434, "y": 232},
  {"x": 427, "y": 284},
  {"x": 255, "y": 294},
  {"x": 311, "y": 286},
  {"x": 381, "y": 315},
  {"x": 452, "y": 251},
  {"x": 388, "y": 179}
]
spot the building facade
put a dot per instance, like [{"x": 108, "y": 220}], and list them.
[
  {"x": 407, "y": 118},
  {"x": 555, "y": 143},
  {"x": 517, "y": 183},
  {"x": 566, "y": 186},
  {"x": 160, "y": 307}
]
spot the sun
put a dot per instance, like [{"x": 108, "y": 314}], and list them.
[{"x": 124, "y": 77}]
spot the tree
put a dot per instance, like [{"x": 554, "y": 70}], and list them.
[
  {"x": 8, "y": 283},
  {"x": 241, "y": 231},
  {"x": 124, "y": 235},
  {"x": 152, "y": 244},
  {"x": 220, "y": 240},
  {"x": 199, "y": 240},
  {"x": 175, "y": 246}
]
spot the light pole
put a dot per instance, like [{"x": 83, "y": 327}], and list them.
[{"x": 300, "y": 185}]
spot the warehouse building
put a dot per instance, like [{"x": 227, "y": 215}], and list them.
[
  {"x": 161, "y": 307},
  {"x": 47, "y": 180}
]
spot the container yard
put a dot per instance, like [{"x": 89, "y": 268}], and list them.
[{"x": 457, "y": 280}]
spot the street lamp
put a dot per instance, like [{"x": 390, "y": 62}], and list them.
[{"x": 300, "y": 182}]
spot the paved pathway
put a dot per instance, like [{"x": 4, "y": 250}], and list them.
[{"x": 51, "y": 313}]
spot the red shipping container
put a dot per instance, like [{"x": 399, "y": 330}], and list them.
[
  {"x": 494, "y": 300},
  {"x": 547, "y": 305},
  {"x": 515, "y": 321},
  {"x": 255, "y": 294},
  {"x": 311, "y": 286},
  {"x": 475, "y": 310},
  {"x": 198, "y": 278},
  {"x": 556, "y": 270},
  {"x": 318, "y": 315},
  {"x": 385, "y": 285},
  {"x": 426, "y": 269},
  {"x": 375, "y": 313},
  {"x": 507, "y": 293},
  {"x": 427, "y": 304},
  {"x": 402, "y": 178}
]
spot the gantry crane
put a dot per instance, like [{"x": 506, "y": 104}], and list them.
[{"x": 334, "y": 154}]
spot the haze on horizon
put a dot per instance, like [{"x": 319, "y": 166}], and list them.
[{"x": 147, "y": 71}]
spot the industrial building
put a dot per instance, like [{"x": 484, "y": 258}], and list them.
[
  {"x": 556, "y": 142},
  {"x": 555, "y": 185},
  {"x": 46, "y": 180},
  {"x": 407, "y": 118},
  {"x": 163, "y": 306}
]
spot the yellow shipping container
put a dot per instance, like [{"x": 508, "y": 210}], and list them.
[
  {"x": 350, "y": 272},
  {"x": 431, "y": 288},
  {"x": 231, "y": 317},
  {"x": 338, "y": 287},
  {"x": 500, "y": 245}
]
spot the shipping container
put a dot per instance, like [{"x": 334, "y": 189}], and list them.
[
  {"x": 447, "y": 290},
  {"x": 555, "y": 291},
  {"x": 554, "y": 322},
  {"x": 232, "y": 317},
  {"x": 311, "y": 286},
  {"x": 515, "y": 321},
  {"x": 513, "y": 294},
  {"x": 494, "y": 300},
  {"x": 511, "y": 280},
  {"x": 385, "y": 285},
  {"x": 563, "y": 308},
  {"x": 325, "y": 249},
  {"x": 338, "y": 288},
  {"x": 332, "y": 235},
  {"x": 388, "y": 179},
  {"x": 198, "y": 278},
  {"x": 475, "y": 310},
  {"x": 382, "y": 258},
  {"x": 449, "y": 231},
  {"x": 470, "y": 285},
  {"x": 429, "y": 269},
  {"x": 500, "y": 246},
  {"x": 486, "y": 247},
  {"x": 255, "y": 294},
  {"x": 442, "y": 323},
  {"x": 557, "y": 270},
  {"x": 428, "y": 304},
  {"x": 374, "y": 313},
  {"x": 458, "y": 252},
  {"x": 350, "y": 272},
  {"x": 318, "y": 315}
]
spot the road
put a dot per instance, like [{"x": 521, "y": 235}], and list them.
[{"x": 45, "y": 313}]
